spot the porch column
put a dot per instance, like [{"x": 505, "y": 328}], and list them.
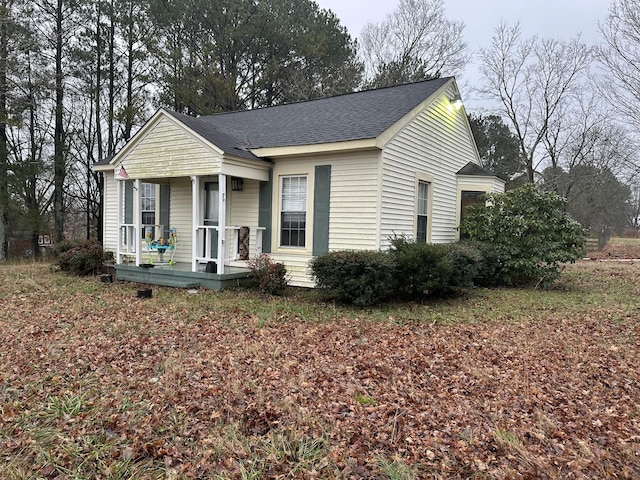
[
  {"x": 195, "y": 202},
  {"x": 119, "y": 214},
  {"x": 222, "y": 221},
  {"x": 137, "y": 194}
]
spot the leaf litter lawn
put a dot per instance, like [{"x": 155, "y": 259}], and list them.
[{"x": 505, "y": 383}]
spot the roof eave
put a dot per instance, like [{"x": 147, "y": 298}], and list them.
[
  {"x": 319, "y": 148},
  {"x": 104, "y": 167}
]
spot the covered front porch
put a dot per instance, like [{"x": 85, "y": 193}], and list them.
[{"x": 189, "y": 231}]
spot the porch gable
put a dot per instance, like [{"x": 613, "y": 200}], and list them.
[{"x": 166, "y": 148}]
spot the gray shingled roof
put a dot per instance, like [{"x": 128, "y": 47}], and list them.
[
  {"x": 353, "y": 116},
  {"x": 474, "y": 169}
]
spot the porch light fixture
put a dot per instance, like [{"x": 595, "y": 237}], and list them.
[
  {"x": 236, "y": 184},
  {"x": 456, "y": 101}
]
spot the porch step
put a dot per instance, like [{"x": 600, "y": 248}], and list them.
[{"x": 174, "y": 282}]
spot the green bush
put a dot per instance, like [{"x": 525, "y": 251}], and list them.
[
  {"x": 421, "y": 268},
  {"x": 466, "y": 260},
  {"x": 425, "y": 269},
  {"x": 80, "y": 258},
  {"x": 362, "y": 278},
  {"x": 488, "y": 266},
  {"x": 270, "y": 276},
  {"x": 530, "y": 232}
]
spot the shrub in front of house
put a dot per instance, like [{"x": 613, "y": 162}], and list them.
[
  {"x": 529, "y": 232},
  {"x": 421, "y": 268},
  {"x": 270, "y": 277},
  {"x": 359, "y": 277},
  {"x": 466, "y": 261},
  {"x": 488, "y": 266},
  {"x": 80, "y": 258},
  {"x": 409, "y": 270}
]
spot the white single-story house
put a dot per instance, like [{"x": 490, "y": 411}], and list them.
[{"x": 201, "y": 195}]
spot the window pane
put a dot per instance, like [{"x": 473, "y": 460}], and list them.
[
  {"x": 423, "y": 198},
  {"x": 469, "y": 197},
  {"x": 422, "y": 229},
  {"x": 294, "y": 194},
  {"x": 148, "y": 218},
  {"x": 148, "y": 197},
  {"x": 292, "y": 233}
]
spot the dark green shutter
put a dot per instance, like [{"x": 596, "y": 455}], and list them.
[
  {"x": 321, "y": 191},
  {"x": 128, "y": 201},
  {"x": 163, "y": 213},
  {"x": 264, "y": 212}
]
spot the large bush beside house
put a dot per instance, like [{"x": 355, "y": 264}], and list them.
[
  {"x": 81, "y": 258},
  {"x": 521, "y": 237},
  {"x": 359, "y": 277},
  {"x": 527, "y": 236},
  {"x": 409, "y": 270},
  {"x": 432, "y": 269}
]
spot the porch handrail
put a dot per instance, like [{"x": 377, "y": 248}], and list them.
[
  {"x": 203, "y": 233},
  {"x": 236, "y": 237},
  {"x": 203, "y": 239},
  {"x": 126, "y": 244}
]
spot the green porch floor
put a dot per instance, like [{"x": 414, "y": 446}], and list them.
[{"x": 180, "y": 275}]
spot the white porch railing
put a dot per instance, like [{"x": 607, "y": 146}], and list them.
[
  {"x": 129, "y": 241},
  {"x": 235, "y": 232},
  {"x": 206, "y": 238},
  {"x": 127, "y": 244}
]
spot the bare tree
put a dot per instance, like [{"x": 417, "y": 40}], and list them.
[
  {"x": 5, "y": 19},
  {"x": 56, "y": 17},
  {"x": 619, "y": 55},
  {"x": 534, "y": 80},
  {"x": 414, "y": 42},
  {"x": 634, "y": 207}
]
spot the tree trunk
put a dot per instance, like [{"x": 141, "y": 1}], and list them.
[
  {"x": 59, "y": 168},
  {"x": 129, "y": 107},
  {"x": 4, "y": 150},
  {"x": 111, "y": 54}
]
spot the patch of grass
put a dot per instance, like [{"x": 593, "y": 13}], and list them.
[
  {"x": 624, "y": 241},
  {"x": 365, "y": 400},
  {"x": 507, "y": 439},
  {"x": 300, "y": 453},
  {"x": 67, "y": 405},
  {"x": 469, "y": 435},
  {"x": 397, "y": 469}
]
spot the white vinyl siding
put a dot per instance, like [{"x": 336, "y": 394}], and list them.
[
  {"x": 297, "y": 268},
  {"x": 110, "y": 240},
  {"x": 437, "y": 142},
  {"x": 169, "y": 150},
  {"x": 244, "y": 212},
  {"x": 180, "y": 217},
  {"x": 354, "y": 202}
]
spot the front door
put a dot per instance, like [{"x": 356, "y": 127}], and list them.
[{"x": 211, "y": 211}]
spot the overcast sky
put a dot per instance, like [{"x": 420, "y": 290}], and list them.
[{"x": 547, "y": 18}]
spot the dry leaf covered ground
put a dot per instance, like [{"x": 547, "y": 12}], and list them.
[{"x": 96, "y": 383}]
